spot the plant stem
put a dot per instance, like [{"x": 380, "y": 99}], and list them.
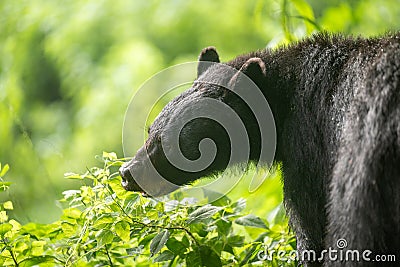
[
  {"x": 108, "y": 255},
  {"x": 181, "y": 228},
  {"x": 11, "y": 252}
]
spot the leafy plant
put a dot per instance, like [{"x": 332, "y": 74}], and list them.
[{"x": 104, "y": 225}]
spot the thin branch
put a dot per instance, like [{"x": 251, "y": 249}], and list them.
[
  {"x": 108, "y": 256},
  {"x": 312, "y": 22},
  {"x": 181, "y": 228},
  {"x": 11, "y": 252}
]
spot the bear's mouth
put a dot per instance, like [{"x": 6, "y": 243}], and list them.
[
  {"x": 150, "y": 185},
  {"x": 128, "y": 182}
]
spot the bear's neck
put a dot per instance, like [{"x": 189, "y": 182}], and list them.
[
  {"x": 278, "y": 85},
  {"x": 296, "y": 74}
]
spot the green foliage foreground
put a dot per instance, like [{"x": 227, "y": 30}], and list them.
[{"x": 104, "y": 225}]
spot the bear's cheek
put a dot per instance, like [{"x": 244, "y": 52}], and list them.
[{"x": 154, "y": 184}]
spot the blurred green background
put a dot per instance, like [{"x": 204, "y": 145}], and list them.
[{"x": 69, "y": 68}]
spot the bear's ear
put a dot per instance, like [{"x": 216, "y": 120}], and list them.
[
  {"x": 207, "y": 55},
  {"x": 254, "y": 68}
]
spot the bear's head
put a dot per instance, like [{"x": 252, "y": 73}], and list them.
[{"x": 204, "y": 130}]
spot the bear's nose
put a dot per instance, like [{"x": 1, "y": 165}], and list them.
[
  {"x": 125, "y": 174},
  {"x": 128, "y": 182}
]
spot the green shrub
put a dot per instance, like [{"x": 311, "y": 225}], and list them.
[{"x": 104, "y": 225}]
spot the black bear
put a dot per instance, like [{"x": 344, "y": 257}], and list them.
[{"x": 336, "y": 104}]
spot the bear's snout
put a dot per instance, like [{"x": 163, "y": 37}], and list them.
[{"x": 126, "y": 172}]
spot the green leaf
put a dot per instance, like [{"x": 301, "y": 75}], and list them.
[
  {"x": 4, "y": 170},
  {"x": 16, "y": 225},
  {"x": 303, "y": 8},
  {"x": 202, "y": 213},
  {"x": 306, "y": 12},
  {"x": 123, "y": 230},
  {"x": 135, "y": 250},
  {"x": 34, "y": 261},
  {"x": 193, "y": 259},
  {"x": 224, "y": 227},
  {"x": 185, "y": 240},
  {"x": 219, "y": 199},
  {"x": 104, "y": 220},
  {"x": 159, "y": 241},
  {"x": 236, "y": 241},
  {"x": 72, "y": 175},
  {"x": 4, "y": 228},
  {"x": 47, "y": 230},
  {"x": 68, "y": 229},
  {"x": 292, "y": 242},
  {"x": 8, "y": 205},
  {"x": 130, "y": 202},
  {"x": 208, "y": 257},
  {"x": 3, "y": 216},
  {"x": 37, "y": 248},
  {"x": 110, "y": 156},
  {"x": 239, "y": 205},
  {"x": 250, "y": 253},
  {"x": 147, "y": 239},
  {"x": 252, "y": 221},
  {"x": 176, "y": 246},
  {"x": 104, "y": 237},
  {"x": 166, "y": 255},
  {"x": 22, "y": 247},
  {"x": 68, "y": 194},
  {"x": 72, "y": 213},
  {"x": 203, "y": 256},
  {"x": 280, "y": 215},
  {"x": 199, "y": 228},
  {"x": 228, "y": 248},
  {"x": 169, "y": 205}
]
